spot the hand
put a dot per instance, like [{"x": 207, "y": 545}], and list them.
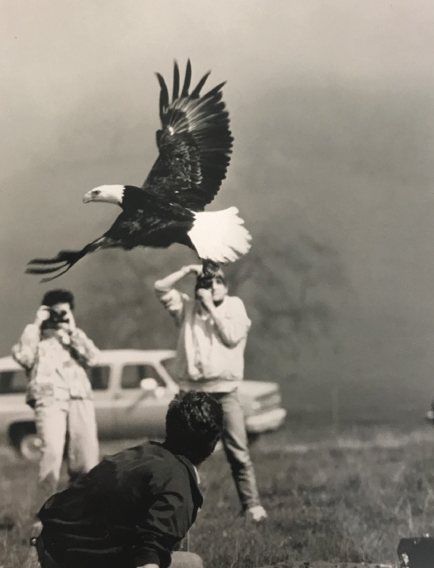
[
  {"x": 192, "y": 269},
  {"x": 205, "y": 296},
  {"x": 70, "y": 326},
  {"x": 42, "y": 315}
]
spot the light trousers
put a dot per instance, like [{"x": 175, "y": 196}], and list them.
[{"x": 55, "y": 422}]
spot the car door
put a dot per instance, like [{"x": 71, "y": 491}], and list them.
[
  {"x": 101, "y": 378},
  {"x": 140, "y": 413}
]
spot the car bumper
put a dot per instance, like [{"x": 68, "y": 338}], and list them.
[{"x": 271, "y": 420}]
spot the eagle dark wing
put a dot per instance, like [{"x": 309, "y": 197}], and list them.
[
  {"x": 195, "y": 144},
  {"x": 130, "y": 229}
]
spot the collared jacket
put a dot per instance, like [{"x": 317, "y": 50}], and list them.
[
  {"x": 132, "y": 509},
  {"x": 55, "y": 362}
]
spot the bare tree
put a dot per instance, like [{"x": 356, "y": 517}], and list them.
[
  {"x": 289, "y": 285},
  {"x": 122, "y": 309}
]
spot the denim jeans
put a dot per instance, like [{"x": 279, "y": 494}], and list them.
[{"x": 234, "y": 440}]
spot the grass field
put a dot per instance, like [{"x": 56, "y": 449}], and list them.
[{"x": 347, "y": 499}]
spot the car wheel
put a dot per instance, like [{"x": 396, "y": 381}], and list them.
[{"x": 30, "y": 446}]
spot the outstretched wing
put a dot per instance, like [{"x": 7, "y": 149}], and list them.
[{"x": 195, "y": 144}]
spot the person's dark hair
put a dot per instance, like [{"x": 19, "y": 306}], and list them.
[
  {"x": 194, "y": 424},
  {"x": 58, "y": 296}
]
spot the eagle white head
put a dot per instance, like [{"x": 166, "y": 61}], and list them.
[{"x": 106, "y": 193}]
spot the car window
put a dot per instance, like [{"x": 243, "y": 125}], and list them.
[
  {"x": 99, "y": 377},
  {"x": 12, "y": 382},
  {"x": 133, "y": 374}
]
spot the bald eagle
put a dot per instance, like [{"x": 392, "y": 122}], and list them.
[{"x": 195, "y": 145}]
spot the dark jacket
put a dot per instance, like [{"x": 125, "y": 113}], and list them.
[{"x": 133, "y": 508}]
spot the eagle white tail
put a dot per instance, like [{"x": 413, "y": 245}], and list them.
[{"x": 220, "y": 235}]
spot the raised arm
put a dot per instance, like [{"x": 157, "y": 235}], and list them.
[
  {"x": 86, "y": 351},
  {"x": 234, "y": 326},
  {"x": 166, "y": 284},
  {"x": 82, "y": 347},
  {"x": 171, "y": 298},
  {"x": 25, "y": 350}
]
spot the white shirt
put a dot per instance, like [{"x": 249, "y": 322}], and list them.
[{"x": 204, "y": 361}]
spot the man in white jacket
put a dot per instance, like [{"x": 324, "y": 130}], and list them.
[
  {"x": 210, "y": 358},
  {"x": 55, "y": 354}
]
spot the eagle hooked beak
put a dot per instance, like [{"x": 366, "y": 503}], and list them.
[
  {"x": 105, "y": 194},
  {"x": 91, "y": 195}
]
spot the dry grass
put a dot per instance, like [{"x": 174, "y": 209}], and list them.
[{"x": 325, "y": 503}]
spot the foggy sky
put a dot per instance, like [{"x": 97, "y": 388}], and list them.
[
  {"x": 95, "y": 59},
  {"x": 333, "y": 97}
]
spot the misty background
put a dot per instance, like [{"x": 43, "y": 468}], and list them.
[{"x": 331, "y": 106}]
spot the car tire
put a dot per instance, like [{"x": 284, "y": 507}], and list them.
[
  {"x": 25, "y": 440},
  {"x": 30, "y": 446}
]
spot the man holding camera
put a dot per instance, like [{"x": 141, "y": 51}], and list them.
[
  {"x": 55, "y": 354},
  {"x": 210, "y": 358}
]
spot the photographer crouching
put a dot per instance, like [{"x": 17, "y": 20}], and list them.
[{"x": 55, "y": 354}]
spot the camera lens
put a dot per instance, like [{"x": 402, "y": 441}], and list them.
[{"x": 58, "y": 317}]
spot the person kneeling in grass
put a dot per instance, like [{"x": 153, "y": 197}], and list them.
[{"x": 134, "y": 508}]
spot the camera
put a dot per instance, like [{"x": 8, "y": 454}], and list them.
[
  {"x": 204, "y": 281},
  {"x": 56, "y": 318}
]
